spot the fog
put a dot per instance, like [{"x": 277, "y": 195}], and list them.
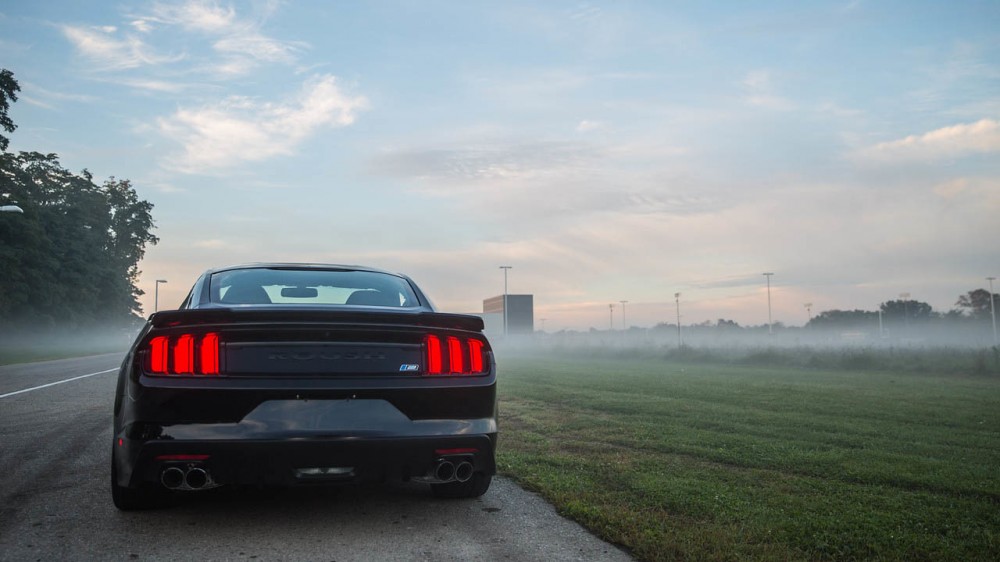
[
  {"x": 58, "y": 341},
  {"x": 960, "y": 345}
]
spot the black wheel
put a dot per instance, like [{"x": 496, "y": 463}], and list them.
[
  {"x": 472, "y": 488},
  {"x": 129, "y": 499}
]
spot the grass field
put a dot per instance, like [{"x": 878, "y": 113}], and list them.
[{"x": 684, "y": 461}]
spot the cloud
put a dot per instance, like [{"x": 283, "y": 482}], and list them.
[
  {"x": 195, "y": 15},
  {"x": 154, "y": 85},
  {"x": 50, "y": 99},
  {"x": 586, "y": 126},
  {"x": 238, "y": 39},
  {"x": 947, "y": 142},
  {"x": 241, "y": 129},
  {"x": 550, "y": 181},
  {"x": 109, "y": 52},
  {"x": 760, "y": 92}
]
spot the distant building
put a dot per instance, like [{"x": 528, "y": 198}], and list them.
[{"x": 520, "y": 315}]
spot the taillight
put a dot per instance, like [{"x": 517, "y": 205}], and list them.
[
  {"x": 455, "y": 366},
  {"x": 434, "y": 359},
  {"x": 453, "y": 356},
  {"x": 185, "y": 354}
]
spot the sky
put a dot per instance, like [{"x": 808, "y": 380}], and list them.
[{"x": 607, "y": 151}]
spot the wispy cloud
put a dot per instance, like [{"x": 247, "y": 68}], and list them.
[
  {"x": 196, "y": 15},
  {"x": 947, "y": 142},
  {"x": 238, "y": 39},
  {"x": 760, "y": 92},
  {"x": 50, "y": 99},
  {"x": 553, "y": 180},
  {"x": 241, "y": 129},
  {"x": 109, "y": 51}
]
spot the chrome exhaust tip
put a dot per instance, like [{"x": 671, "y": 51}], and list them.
[
  {"x": 463, "y": 472},
  {"x": 196, "y": 478},
  {"x": 445, "y": 471},
  {"x": 172, "y": 478}
]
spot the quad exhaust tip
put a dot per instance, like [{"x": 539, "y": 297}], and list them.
[
  {"x": 463, "y": 472},
  {"x": 172, "y": 478},
  {"x": 445, "y": 471},
  {"x": 190, "y": 478},
  {"x": 196, "y": 478}
]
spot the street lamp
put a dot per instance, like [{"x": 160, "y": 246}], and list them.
[
  {"x": 624, "y": 325},
  {"x": 993, "y": 312},
  {"x": 156, "y": 295},
  {"x": 611, "y": 309},
  {"x": 505, "y": 268},
  {"x": 543, "y": 323},
  {"x": 677, "y": 298},
  {"x": 768, "y": 277},
  {"x": 809, "y": 311}
]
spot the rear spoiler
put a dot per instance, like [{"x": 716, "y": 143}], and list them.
[{"x": 340, "y": 315}]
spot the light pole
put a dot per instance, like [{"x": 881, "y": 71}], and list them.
[
  {"x": 611, "y": 309},
  {"x": 993, "y": 312},
  {"x": 809, "y": 311},
  {"x": 881, "y": 332},
  {"x": 505, "y": 268},
  {"x": 543, "y": 323},
  {"x": 156, "y": 295},
  {"x": 624, "y": 325},
  {"x": 677, "y": 299},
  {"x": 768, "y": 277}
]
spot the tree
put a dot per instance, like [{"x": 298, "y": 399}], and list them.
[
  {"x": 8, "y": 93},
  {"x": 72, "y": 256},
  {"x": 906, "y": 311},
  {"x": 977, "y": 303},
  {"x": 844, "y": 320}
]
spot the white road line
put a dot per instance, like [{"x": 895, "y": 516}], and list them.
[{"x": 55, "y": 383}]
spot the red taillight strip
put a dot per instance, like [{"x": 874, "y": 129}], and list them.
[
  {"x": 184, "y": 355},
  {"x": 210, "y": 354},
  {"x": 434, "y": 358},
  {"x": 158, "y": 355},
  {"x": 184, "y": 350},
  {"x": 475, "y": 356},
  {"x": 455, "y": 363}
]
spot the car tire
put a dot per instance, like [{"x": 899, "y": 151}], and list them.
[
  {"x": 472, "y": 488},
  {"x": 134, "y": 499}
]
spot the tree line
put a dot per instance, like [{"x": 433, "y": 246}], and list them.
[
  {"x": 971, "y": 310},
  {"x": 70, "y": 255},
  {"x": 972, "y": 307}
]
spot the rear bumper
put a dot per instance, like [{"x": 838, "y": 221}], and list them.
[
  {"x": 280, "y": 440},
  {"x": 288, "y": 462}
]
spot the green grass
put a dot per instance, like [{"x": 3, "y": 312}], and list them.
[{"x": 679, "y": 461}]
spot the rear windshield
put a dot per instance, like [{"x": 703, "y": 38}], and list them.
[{"x": 298, "y": 286}]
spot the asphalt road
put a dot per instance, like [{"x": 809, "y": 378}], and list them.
[{"x": 55, "y": 503}]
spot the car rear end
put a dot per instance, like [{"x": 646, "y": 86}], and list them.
[{"x": 263, "y": 395}]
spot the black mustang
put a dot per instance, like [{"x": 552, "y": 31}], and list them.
[{"x": 284, "y": 374}]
